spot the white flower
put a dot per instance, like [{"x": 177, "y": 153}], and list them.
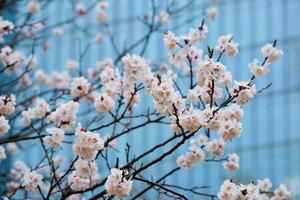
[
  {"x": 187, "y": 160},
  {"x": 117, "y": 184},
  {"x": 264, "y": 185},
  {"x": 32, "y": 180},
  {"x": 111, "y": 81},
  {"x": 163, "y": 17},
  {"x": 164, "y": 96},
  {"x": 80, "y": 9},
  {"x": 79, "y": 87},
  {"x": 55, "y": 138},
  {"x": 113, "y": 143},
  {"x": 7, "y": 104},
  {"x": 6, "y": 27},
  {"x": 101, "y": 11},
  {"x": 244, "y": 92},
  {"x": 170, "y": 40},
  {"x": 31, "y": 61},
  {"x": 102, "y": 5},
  {"x": 104, "y": 103},
  {"x": 87, "y": 144},
  {"x": 281, "y": 193},
  {"x": 12, "y": 147},
  {"x": 20, "y": 168},
  {"x": 2, "y": 153},
  {"x": 271, "y": 53},
  {"x": 33, "y": 7},
  {"x": 40, "y": 76},
  {"x": 41, "y": 108},
  {"x": 4, "y": 126},
  {"x": 199, "y": 141},
  {"x": 10, "y": 59},
  {"x": 135, "y": 67},
  {"x": 231, "y": 49},
  {"x": 105, "y": 62},
  {"x": 218, "y": 68},
  {"x": 225, "y": 78},
  {"x": 65, "y": 115},
  {"x": 25, "y": 80},
  {"x": 212, "y": 12},
  {"x": 99, "y": 38},
  {"x": 257, "y": 69},
  {"x": 39, "y": 111},
  {"x": 85, "y": 168},
  {"x": 223, "y": 41},
  {"x": 232, "y": 162},
  {"x": 59, "y": 80},
  {"x": 72, "y": 65},
  {"x": 198, "y": 35},
  {"x": 34, "y": 29},
  {"x": 12, "y": 187},
  {"x": 230, "y": 129},
  {"x": 216, "y": 146},
  {"x": 191, "y": 121},
  {"x": 57, "y": 32},
  {"x": 77, "y": 183},
  {"x": 234, "y": 111}
]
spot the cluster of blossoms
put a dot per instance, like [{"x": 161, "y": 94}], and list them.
[
  {"x": 271, "y": 55},
  {"x": 230, "y": 190},
  {"x": 79, "y": 87},
  {"x": 39, "y": 111},
  {"x": 196, "y": 154},
  {"x": 11, "y": 60},
  {"x": 7, "y": 104},
  {"x": 7, "y": 107},
  {"x": 87, "y": 144},
  {"x": 232, "y": 162},
  {"x": 165, "y": 98},
  {"x": 16, "y": 174},
  {"x": 110, "y": 78},
  {"x": 183, "y": 55},
  {"x": 117, "y": 183},
  {"x": 59, "y": 80},
  {"x": 226, "y": 45},
  {"x": 4, "y": 126},
  {"x": 55, "y": 138},
  {"x": 101, "y": 11},
  {"x": 211, "y": 77},
  {"x": 33, "y": 29},
  {"x": 104, "y": 103},
  {"x": 6, "y": 27},
  {"x": 65, "y": 115},
  {"x": 32, "y": 180},
  {"x": 135, "y": 69},
  {"x": 227, "y": 122},
  {"x": 85, "y": 175}
]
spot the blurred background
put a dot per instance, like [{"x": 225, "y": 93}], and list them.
[{"x": 270, "y": 143}]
